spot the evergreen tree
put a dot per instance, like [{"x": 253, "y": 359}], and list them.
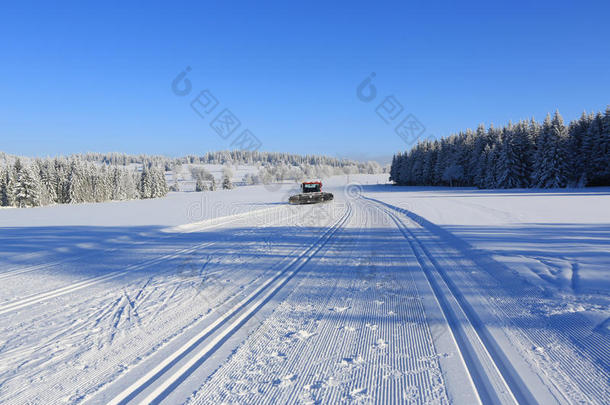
[
  {"x": 478, "y": 157},
  {"x": 5, "y": 187},
  {"x": 599, "y": 165},
  {"x": 523, "y": 146},
  {"x": 509, "y": 169},
  {"x": 158, "y": 183},
  {"x": 480, "y": 180},
  {"x": 492, "y": 168},
  {"x": 394, "y": 167},
  {"x": 441, "y": 162},
  {"x": 489, "y": 175},
  {"x": 226, "y": 183},
  {"x": 117, "y": 191},
  {"x": 429, "y": 163},
  {"x": 522, "y": 155},
  {"x": 26, "y": 189},
  {"x": 145, "y": 186},
  {"x": 550, "y": 169},
  {"x": 46, "y": 173},
  {"x": 577, "y": 133}
]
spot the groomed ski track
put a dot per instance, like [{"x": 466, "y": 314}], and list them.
[{"x": 355, "y": 301}]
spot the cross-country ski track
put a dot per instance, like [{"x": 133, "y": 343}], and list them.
[{"x": 353, "y": 301}]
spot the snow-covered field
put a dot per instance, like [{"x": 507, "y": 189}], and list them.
[{"x": 387, "y": 294}]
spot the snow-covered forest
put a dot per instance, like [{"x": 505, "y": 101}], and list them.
[
  {"x": 72, "y": 180},
  {"x": 526, "y": 154},
  {"x": 237, "y": 157},
  {"x": 97, "y": 177}
]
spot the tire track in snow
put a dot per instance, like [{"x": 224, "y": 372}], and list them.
[
  {"x": 490, "y": 373},
  {"x": 216, "y": 333},
  {"x": 288, "y": 332},
  {"x": 558, "y": 358},
  {"x": 340, "y": 335}
]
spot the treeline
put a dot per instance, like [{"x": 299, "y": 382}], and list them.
[
  {"x": 526, "y": 154},
  {"x": 282, "y": 172},
  {"x": 66, "y": 181},
  {"x": 236, "y": 157}
]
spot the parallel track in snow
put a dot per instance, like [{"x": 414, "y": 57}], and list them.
[
  {"x": 166, "y": 375},
  {"x": 37, "y": 298},
  {"x": 100, "y": 374},
  {"x": 350, "y": 331},
  {"x": 58, "y": 292},
  {"x": 487, "y": 367},
  {"x": 545, "y": 359}
]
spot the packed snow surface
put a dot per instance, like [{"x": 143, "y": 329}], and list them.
[{"x": 385, "y": 295}]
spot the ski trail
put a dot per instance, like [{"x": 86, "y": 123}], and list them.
[
  {"x": 103, "y": 374},
  {"x": 491, "y": 383},
  {"x": 357, "y": 331},
  {"x": 236, "y": 316},
  {"x": 558, "y": 358}
]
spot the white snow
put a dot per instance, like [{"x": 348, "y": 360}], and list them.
[
  {"x": 556, "y": 238},
  {"x": 387, "y": 294}
]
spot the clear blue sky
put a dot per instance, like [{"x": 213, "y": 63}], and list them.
[{"x": 79, "y": 76}]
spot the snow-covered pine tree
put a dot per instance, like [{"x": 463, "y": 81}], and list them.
[
  {"x": 47, "y": 176},
  {"x": 75, "y": 189},
  {"x": 129, "y": 184},
  {"x": 600, "y": 151},
  {"x": 441, "y": 162},
  {"x": 482, "y": 166},
  {"x": 4, "y": 186},
  {"x": 117, "y": 192},
  {"x": 158, "y": 183},
  {"x": 489, "y": 176},
  {"x": 523, "y": 148},
  {"x": 477, "y": 157},
  {"x": 403, "y": 169},
  {"x": 577, "y": 132},
  {"x": 145, "y": 186},
  {"x": 589, "y": 144},
  {"x": 509, "y": 170},
  {"x": 27, "y": 188},
  {"x": 494, "y": 137},
  {"x": 101, "y": 184},
  {"x": 17, "y": 167},
  {"x": 163, "y": 187},
  {"x": 560, "y": 132},
  {"x": 466, "y": 152},
  {"x": 429, "y": 163},
  {"x": 226, "y": 183},
  {"x": 394, "y": 168},
  {"x": 550, "y": 171},
  {"x": 60, "y": 180}
]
